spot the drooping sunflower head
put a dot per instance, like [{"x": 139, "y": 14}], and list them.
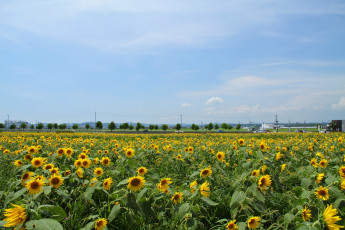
[
  {"x": 136, "y": 183},
  {"x": 331, "y": 217},
  {"x": 193, "y": 186},
  {"x": 323, "y": 163},
  {"x": 205, "y": 189},
  {"x": 306, "y": 214},
  {"x": 56, "y": 181},
  {"x": 314, "y": 163},
  {"x": 320, "y": 177},
  {"x": 93, "y": 182},
  {"x": 26, "y": 176},
  {"x": 206, "y": 172},
  {"x": 253, "y": 222},
  {"x": 100, "y": 224},
  {"x": 256, "y": 172},
  {"x": 34, "y": 186},
  {"x": 98, "y": 172},
  {"x": 107, "y": 183},
  {"x": 18, "y": 163},
  {"x": 80, "y": 173},
  {"x": 322, "y": 193},
  {"x": 14, "y": 216},
  {"x": 142, "y": 171},
  {"x": 232, "y": 225},
  {"x": 177, "y": 197},
  {"x": 342, "y": 171},
  {"x": 264, "y": 182}
]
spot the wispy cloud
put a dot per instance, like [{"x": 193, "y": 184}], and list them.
[
  {"x": 214, "y": 100},
  {"x": 186, "y": 104},
  {"x": 340, "y": 105}
]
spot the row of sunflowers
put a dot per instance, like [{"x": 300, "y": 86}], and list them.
[{"x": 172, "y": 181}]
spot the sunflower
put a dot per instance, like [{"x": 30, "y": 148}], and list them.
[
  {"x": 98, "y": 172},
  {"x": 331, "y": 218},
  {"x": 342, "y": 185},
  {"x": 100, "y": 224},
  {"x": 26, "y": 176},
  {"x": 306, "y": 214},
  {"x": 205, "y": 189},
  {"x": 35, "y": 185},
  {"x": 179, "y": 157},
  {"x": 253, "y": 222},
  {"x": 67, "y": 172},
  {"x": 38, "y": 161},
  {"x": 177, "y": 197},
  {"x": 96, "y": 160},
  {"x": 193, "y": 186},
  {"x": 48, "y": 166},
  {"x": 232, "y": 225},
  {"x": 206, "y": 172},
  {"x": 264, "y": 182},
  {"x": 322, "y": 193},
  {"x": 93, "y": 182},
  {"x": 105, "y": 161},
  {"x": 342, "y": 171},
  {"x": 220, "y": 156},
  {"x": 32, "y": 149},
  {"x": 279, "y": 156},
  {"x": 56, "y": 180},
  {"x": 18, "y": 163},
  {"x": 61, "y": 152},
  {"x": 256, "y": 172},
  {"x": 86, "y": 163},
  {"x": 69, "y": 152},
  {"x": 241, "y": 141},
  {"x": 107, "y": 183},
  {"x": 54, "y": 170},
  {"x": 130, "y": 153},
  {"x": 80, "y": 172},
  {"x": 262, "y": 146},
  {"x": 314, "y": 163},
  {"x": 323, "y": 163},
  {"x": 282, "y": 169},
  {"x": 164, "y": 184},
  {"x": 320, "y": 178},
  {"x": 142, "y": 171},
  {"x": 14, "y": 216},
  {"x": 263, "y": 168},
  {"x": 28, "y": 157},
  {"x": 136, "y": 183},
  {"x": 78, "y": 163},
  {"x": 82, "y": 155}
]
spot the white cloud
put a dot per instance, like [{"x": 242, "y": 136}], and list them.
[
  {"x": 214, "y": 100},
  {"x": 340, "y": 105},
  {"x": 186, "y": 104}
]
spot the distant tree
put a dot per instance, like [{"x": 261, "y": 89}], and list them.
[
  {"x": 62, "y": 126},
  {"x": 230, "y": 127},
  {"x": 50, "y": 126},
  {"x": 23, "y": 125},
  {"x": 151, "y": 127},
  {"x": 193, "y": 126},
  {"x": 164, "y": 127},
  {"x": 112, "y": 126},
  {"x": 125, "y": 125},
  {"x": 75, "y": 126},
  {"x": 131, "y": 127},
  {"x": 178, "y": 126},
  {"x": 99, "y": 125},
  {"x": 87, "y": 126},
  {"x": 238, "y": 126},
  {"x": 210, "y": 126},
  {"x": 196, "y": 127},
  {"x": 2, "y": 126},
  {"x": 138, "y": 126},
  {"x": 156, "y": 127},
  {"x": 39, "y": 126},
  {"x": 121, "y": 126},
  {"x": 216, "y": 126},
  {"x": 224, "y": 126},
  {"x": 32, "y": 126},
  {"x": 13, "y": 126},
  {"x": 206, "y": 127},
  {"x": 56, "y": 126}
]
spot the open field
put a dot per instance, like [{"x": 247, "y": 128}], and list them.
[{"x": 172, "y": 181}]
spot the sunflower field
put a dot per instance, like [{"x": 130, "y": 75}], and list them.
[{"x": 172, "y": 181}]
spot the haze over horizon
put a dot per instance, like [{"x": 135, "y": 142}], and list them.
[{"x": 151, "y": 61}]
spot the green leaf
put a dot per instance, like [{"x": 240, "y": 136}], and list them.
[
  {"x": 338, "y": 202},
  {"x": 89, "y": 192},
  {"x": 142, "y": 192},
  {"x": 209, "y": 201},
  {"x": 305, "y": 182},
  {"x": 63, "y": 194},
  {"x": 183, "y": 209},
  {"x": 18, "y": 194},
  {"x": 330, "y": 179},
  {"x": 257, "y": 194},
  {"x": 194, "y": 174},
  {"x": 43, "y": 224},
  {"x": 306, "y": 194},
  {"x": 114, "y": 212},
  {"x": 125, "y": 181},
  {"x": 145, "y": 207},
  {"x": 2, "y": 223},
  {"x": 53, "y": 212},
  {"x": 89, "y": 226},
  {"x": 241, "y": 226},
  {"x": 288, "y": 217},
  {"x": 47, "y": 190},
  {"x": 131, "y": 202},
  {"x": 236, "y": 200}
]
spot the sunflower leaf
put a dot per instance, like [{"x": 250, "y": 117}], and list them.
[
  {"x": 209, "y": 201},
  {"x": 44, "y": 224},
  {"x": 114, "y": 212},
  {"x": 53, "y": 212},
  {"x": 125, "y": 181},
  {"x": 143, "y": 192}
]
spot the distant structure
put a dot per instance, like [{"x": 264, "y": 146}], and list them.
[
  {"x": 337, "y": 125},
  {"x": 17, "y": 123}
]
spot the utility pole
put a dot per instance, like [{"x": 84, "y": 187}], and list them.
[
  {"x": 181, "y": 121},
  {"x": 8, "y": 121},
  {"x": 276, "y": 122},
  {"x": 304, "y": 127},
  {"x": 289, "y": 126},
  {"x": 95, "y": 121}
]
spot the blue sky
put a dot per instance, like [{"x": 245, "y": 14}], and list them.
[{"x": 151, "y": 61}]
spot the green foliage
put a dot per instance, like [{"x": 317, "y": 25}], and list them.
[
  {"x": 165, "y": 127},
  {"x": 75, "y": 126},
  {"x": 50, "y": 126},
  {"x": 238, "y": 126},
  {"x": 99, "y": 125},
  {"x": 87, "y": 126},
  {"x": 39, "y": 126},
  {"x": 13, "y": 126},
  {"x": 23, "y": 125},
  {"x": 111, "y": 126},
  {"x": 178, "y": 126}
]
